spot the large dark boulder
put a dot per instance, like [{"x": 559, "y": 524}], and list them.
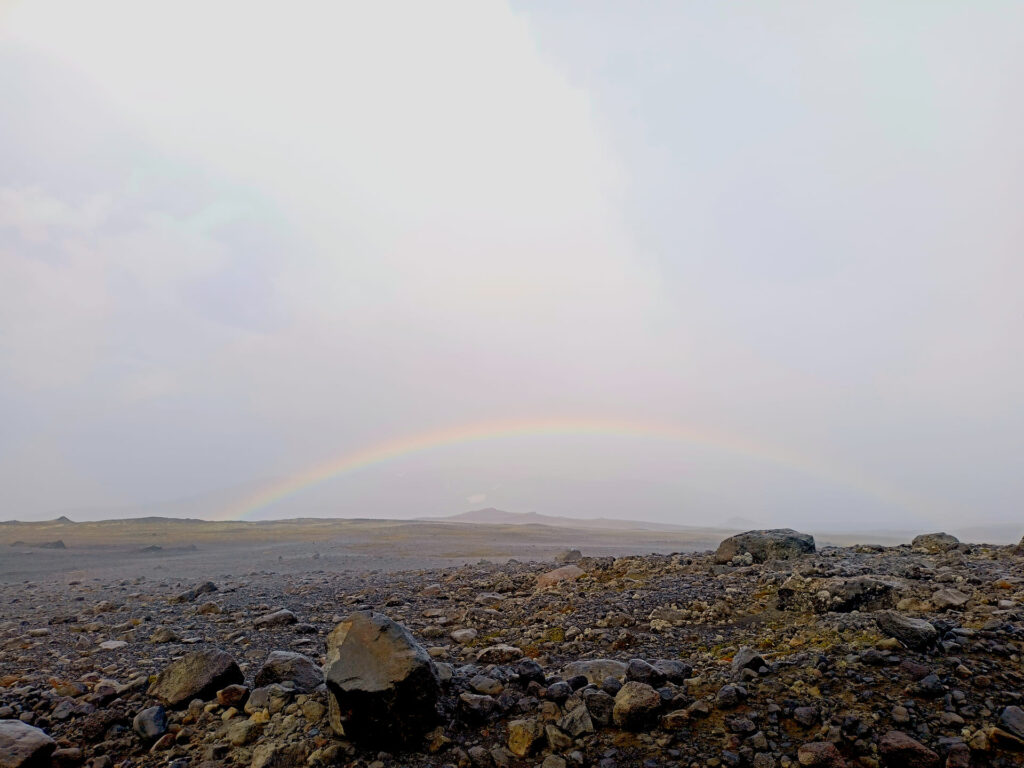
[
  {"x": 774, "y": 544},
  {"x": 23, "y": 745},
  {"x": 198, "y": 675},
  {"x": 383, "y": 685}
]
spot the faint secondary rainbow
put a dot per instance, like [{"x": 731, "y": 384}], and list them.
[{"x": 400, "y": 447}]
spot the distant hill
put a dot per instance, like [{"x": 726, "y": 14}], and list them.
[{"x": 492, "y": 516}]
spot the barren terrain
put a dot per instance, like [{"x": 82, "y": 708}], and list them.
[{"x": 159, "y": 643}]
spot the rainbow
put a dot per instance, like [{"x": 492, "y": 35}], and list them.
[{"x": 401, "y": 447}]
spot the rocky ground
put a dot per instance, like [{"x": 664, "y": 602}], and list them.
[{"x": 766, "y": 653}]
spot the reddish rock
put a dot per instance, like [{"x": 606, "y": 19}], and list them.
[{"x": 902, "y": 751}]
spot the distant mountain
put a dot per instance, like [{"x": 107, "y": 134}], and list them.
[{"x": 492, "y": 516}]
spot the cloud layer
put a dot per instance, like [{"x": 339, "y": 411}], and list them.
[{"x": 239, "y": 240}]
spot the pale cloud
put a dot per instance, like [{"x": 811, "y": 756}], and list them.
[{"x": 240, "y": 238}]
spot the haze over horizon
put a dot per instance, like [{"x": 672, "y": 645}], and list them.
[{"x": 678, "y": 263}]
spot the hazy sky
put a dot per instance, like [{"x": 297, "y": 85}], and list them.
[{"x": 678, "y": 262}]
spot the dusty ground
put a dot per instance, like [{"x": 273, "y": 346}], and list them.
[{"x": 154, "y": 546}]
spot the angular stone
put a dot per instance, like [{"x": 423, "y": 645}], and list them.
[
  {"x": 600, "y": 705},
  {"x": 1012, "y": 719},
  {"x": 635, "y": 706},
  {"x": 524, "y": 736},
  {"x": 901, "y": 751},
  {"x": 23, "y": 745},
  {"x": 773, "y": 544},
  {"x": 477, "y": 707},
  {"x": 285, "y": 666},
  {"x": 199, "y": 675},
  {"x": 913, "y": 633},
  {"x": 577, "y": 722},
  {"x": 164, "y": 635},
  {"x": 747, "y": 658},
  {"x": 272, "y": 698},
  {"x": 944, "y": 599},
  {"x": 643, "y": 672},
  {"x": 383, "y": 685},
  {"x": 674, "y": 671},
  {"x": 278, "y": 756},
  {"x": 464, "y": 636}
]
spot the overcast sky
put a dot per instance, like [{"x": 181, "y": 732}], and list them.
[{"x": 241, "y": 240}]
